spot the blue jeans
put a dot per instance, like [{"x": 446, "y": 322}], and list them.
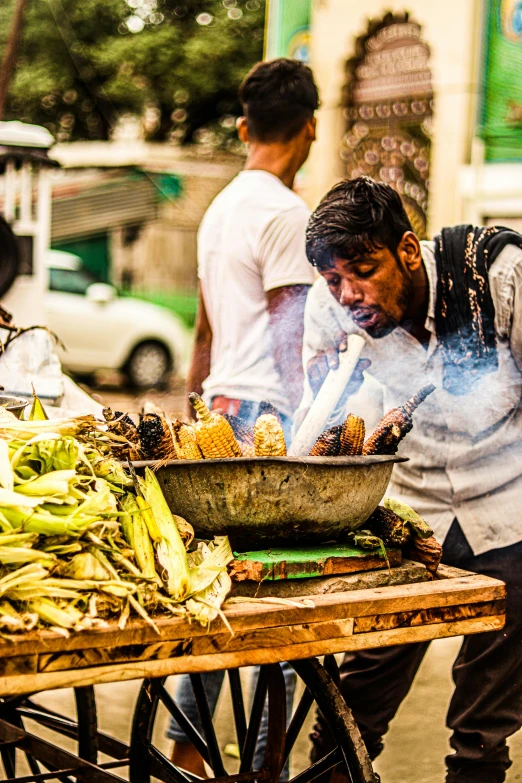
[{"x": 212, "y": 682}]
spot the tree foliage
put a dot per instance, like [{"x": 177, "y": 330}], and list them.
[{"x": 82, "y": 65}]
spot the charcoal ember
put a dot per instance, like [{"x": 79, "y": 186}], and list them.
[
  {"x": 427, "y": 551},
  {"x": 389, "y": 527},
  {"x": 328, "y": 444}
]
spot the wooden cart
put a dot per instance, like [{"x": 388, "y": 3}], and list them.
[{"x": 361, "y": 611}]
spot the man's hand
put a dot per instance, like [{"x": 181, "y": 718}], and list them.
[{"x": 319, "y": 367}]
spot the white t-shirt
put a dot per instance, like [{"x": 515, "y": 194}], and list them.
[{"x": 251, "y": 240}]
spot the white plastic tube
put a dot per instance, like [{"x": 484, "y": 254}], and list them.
[{"x": 327, "y": 398}]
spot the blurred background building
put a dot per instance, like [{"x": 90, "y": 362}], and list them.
[{"x": 424, "y": 95}]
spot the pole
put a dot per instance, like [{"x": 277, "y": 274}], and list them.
[{"x": 10, "y": 51}]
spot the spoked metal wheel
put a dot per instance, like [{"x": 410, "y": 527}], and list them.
[
  {"x": 348, "y": 754},
  {"x": 15, "y": 710}
]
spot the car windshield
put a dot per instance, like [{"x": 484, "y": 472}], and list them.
[{"x": 71, "y": 281}]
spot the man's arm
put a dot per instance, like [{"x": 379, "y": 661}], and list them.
[
  {"x": 200, "y": 364},
  {"x": 286, "y": 307}
]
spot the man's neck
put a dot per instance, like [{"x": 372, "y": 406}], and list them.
[
  {"x": 415, "y": 318},
  {"x": 278, "y": 159}
]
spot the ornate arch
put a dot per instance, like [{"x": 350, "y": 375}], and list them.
[{"x": 388, "y": 107}]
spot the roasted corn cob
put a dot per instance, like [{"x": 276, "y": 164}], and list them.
[
  {"x": 214, "y": 434},
  {"x": 352, "y": 436},
  {"x": 185, "y": 443},
  {"x": 269, "y": 438},
  {"x": 244, "y": 434},
  {"x": 328, "y": 444},
  {"x": 395, "y": 425},
  {"x": 389, "y": 527},
  {"x": 127, "y": 440},
  {"x": 243, "y": 431},
  {"x": 385, "y": 440},
  {"x": 155, "y": 437}
]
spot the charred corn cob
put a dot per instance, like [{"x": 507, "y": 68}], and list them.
[
  {"x": 269, "y": 438},
  {"x": 385, "y": 440},
  {"x": 185, "y": 443},
  {"x": 155, "y": 437},
  {"x": 214, "y": 434},
  {"x": 389, "y": 527},
  {"x": 243, "y": 432},
  {"x": 328, "y": 444},
  {"x": 127, "y": 442},
  {"x": 395, "y": 425},
  {"x": 352, "y": 436}
]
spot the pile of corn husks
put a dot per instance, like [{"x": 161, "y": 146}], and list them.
[{"x": 83, "y": 542}]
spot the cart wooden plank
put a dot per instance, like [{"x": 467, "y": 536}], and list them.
[{"x": 258, "y": 632}]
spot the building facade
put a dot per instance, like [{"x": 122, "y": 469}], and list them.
[{"x": 424, "y": 95}]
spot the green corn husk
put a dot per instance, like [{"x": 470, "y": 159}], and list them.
[
  {"x": 49, "y": 611},
  {"x": 86, "y": 566},
  {"x": 15, "y": 555},
  {"x": 170, "y": 549},
  {"x": 419, "y": 527},
  {"x": 206, "y": 605},
  {"x": 137, "y": 535},
  {"x": 46, "y": 452},
  {"x": 25, "y": 430},
  {"x": 37, "y": 412},
  {"x": 6, "y": 472}
]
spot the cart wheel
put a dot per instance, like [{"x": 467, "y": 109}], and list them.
[
  {"x": 349, "y": 754},
  {"x": 15, "y": 709}
]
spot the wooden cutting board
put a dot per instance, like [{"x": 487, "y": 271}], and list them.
[{"x": 303, "y": 563}]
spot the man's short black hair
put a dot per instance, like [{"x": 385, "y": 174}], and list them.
[
  {"x": 355, "y": 217},
  {"x": 278, "y": 98}
]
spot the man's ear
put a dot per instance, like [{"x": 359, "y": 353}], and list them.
[
  {"x": 409, "y": 251},
  {"x": 242, "y": 129},
  {"x": 311, "y": 127}
]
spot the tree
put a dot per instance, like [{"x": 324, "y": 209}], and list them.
[{"x": 176, "y": 63}]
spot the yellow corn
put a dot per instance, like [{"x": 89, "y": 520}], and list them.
[
  {"x": 269, "y": 438},
  {"x": 352, "y": 436},
  {"x": 185, "y": 442},
  {"x": 214, "y": 435},
  {"x": 247, "y": 450}
]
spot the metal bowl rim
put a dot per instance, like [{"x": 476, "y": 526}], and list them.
[{"x": 355, "y": 461}]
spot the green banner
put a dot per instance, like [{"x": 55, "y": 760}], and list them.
[
  {"x": 502, "y": 105},
  {"x": 288, "y": 23}
]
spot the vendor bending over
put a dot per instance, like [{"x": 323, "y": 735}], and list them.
[{"x": 447, "y": 312}]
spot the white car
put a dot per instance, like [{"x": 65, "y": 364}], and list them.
[{"x": 104, "y": 331}]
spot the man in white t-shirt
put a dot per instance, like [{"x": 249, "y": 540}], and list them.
[
  {"x": 252, "y": 265},
  {"x": 253, "y": 280}
]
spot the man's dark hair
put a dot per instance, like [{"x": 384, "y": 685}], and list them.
[
  {"x": 356, "y": 216},
  {"x": 278, "y": 98}
]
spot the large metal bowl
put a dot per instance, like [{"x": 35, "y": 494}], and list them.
[{"x": 276, "y": 500}]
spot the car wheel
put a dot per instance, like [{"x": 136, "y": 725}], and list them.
[{"x": 149, "y": 365}]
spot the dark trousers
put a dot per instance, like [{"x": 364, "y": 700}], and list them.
[{"x": 486, "y": 706}]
